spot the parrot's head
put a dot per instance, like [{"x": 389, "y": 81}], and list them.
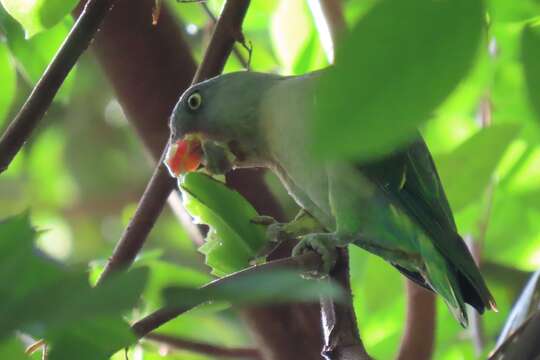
[{"x": 216, "y": 124}]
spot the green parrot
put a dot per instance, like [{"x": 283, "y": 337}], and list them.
[{"x": 394, "y": 207}]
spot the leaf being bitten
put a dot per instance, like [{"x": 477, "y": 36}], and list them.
[{"x": 233, "y": 240}]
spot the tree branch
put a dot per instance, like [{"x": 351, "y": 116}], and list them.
[
  {"x": 227, "y": 31},
  {"x": 237, "y": 54},
  {"x": 48, "y": 85},
  {"x": 203, "y": 348},
  {"x": 419, "y": 337},
  {"x": 342, "y": 339},
  {"x": 306, "y": 262}
]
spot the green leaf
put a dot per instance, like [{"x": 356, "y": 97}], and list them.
[
  {"x": 32, "y": 56},
  {"x": 305, "y": 58},
  {"x": 12, "y": 349},
  {"x": 96, "y": 338},
  {"x": 233, "y": 239},
  {"x": 8, "y": 77},
  {"x": 255, "y": 287},
  {"x": 530, "y": 53},
  {"x": 398, "y": 64},
  {"x": 38, "y": 15},
  {"x": 466, "y": 171},
  {"x": 53, "y": 302},
  {"x": 164, "y": 274}
]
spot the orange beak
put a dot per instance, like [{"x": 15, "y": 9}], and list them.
[{"x": 183, "y": 156}]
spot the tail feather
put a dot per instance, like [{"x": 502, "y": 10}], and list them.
[{"x": 450, "y": 283}]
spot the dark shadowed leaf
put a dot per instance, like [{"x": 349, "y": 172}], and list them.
[
  {"x": 92, "y": 339},
  {"x": 233, "y": 239},
  {"x": 530, "y": 53},
  {"x": 466, "y": 171},
  {"x": 54, "y": 302},
  {"x": 398, "y": 64},
  {"x": 272, "y": 287},
  {"x": 526, "y": 305},
  {"x": 522, "y": 343}
]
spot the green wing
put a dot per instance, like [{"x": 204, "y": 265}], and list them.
[{"x": 411, "y": 182}]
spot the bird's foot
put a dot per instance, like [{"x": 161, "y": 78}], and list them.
[
  {"x": 322, "y": 244},
  {"x": 276, "y": 232}
]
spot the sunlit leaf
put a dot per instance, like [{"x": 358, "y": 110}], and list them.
[
  {"x": 512, "y": 11},
  {"x": 466, "y": 171},
  {"x": 306, "y": 56},
  {"x": 290, "y": 27},
  {"x": 8, "y": 79},
  {"x": 38, "y": 15},
  {"x": 388, "y": 78},
  {"x": 32, "y": 56},
  {"x": 12, "y": 349},
  {"x": 530, "y": 51},
  {"x": 233, "y": 239}
]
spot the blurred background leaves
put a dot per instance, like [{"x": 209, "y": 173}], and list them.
[{"x": 83, "y": 170}]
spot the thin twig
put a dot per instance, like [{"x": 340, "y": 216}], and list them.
[
  {"x": 306, "y": 262},
  {"x": 236, "y": 52},
  {"x": 226, "y": 32},
  {"x": 477, "y": 325},
  {"x": 204, "y": 348},
  {"x": 48, "y": 85}
]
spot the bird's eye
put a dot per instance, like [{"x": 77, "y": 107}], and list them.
[{"x": 194, "y": 101}]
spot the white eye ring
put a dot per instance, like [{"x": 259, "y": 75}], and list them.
[{"x": 194, "y": 101}]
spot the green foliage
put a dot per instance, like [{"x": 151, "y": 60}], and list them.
[
  {"x": 36, "y": 16},
  {"x": 398, "y": 78},
  {"x": 59, "y": 304},
  {"x": 530, "y": 50},
  {"x": 271, "y": 287},
  {"x": 82, "y": 171},
  {"x": 467, "y": 170},
  {"x": 9, "y": 83},
  {"x": 32, "y": 55},
  {"x": 233, "y": 240}
]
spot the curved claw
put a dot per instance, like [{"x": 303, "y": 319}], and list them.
[{"x": 323, "y": 245}]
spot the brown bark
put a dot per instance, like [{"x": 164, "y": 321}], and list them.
[{"x": 419, "y": 337}]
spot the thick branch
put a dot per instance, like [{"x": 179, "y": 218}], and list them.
[
  {"x": 46, "y": 88},
  {"x": 342, "y": 339},
  {"x": 203, "y": 348},
  {"x": 161, "y": 184},
  {"x": 307, "y": 262}
]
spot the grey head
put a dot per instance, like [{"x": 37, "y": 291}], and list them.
[{"x": 223, "y": 112}]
